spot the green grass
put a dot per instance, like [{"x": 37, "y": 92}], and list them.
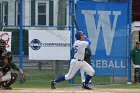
[
  {"x": 38, "y": 85},
  {"x": 38, "y": 79},
  {"x": 41, "y": 79}
]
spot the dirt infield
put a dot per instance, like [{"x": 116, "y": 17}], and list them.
[{"x": 69, "y": 90}]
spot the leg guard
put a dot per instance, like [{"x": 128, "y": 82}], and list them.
[
  {"x": 1, "y": 83},
  {"x": 137, "y": 75},
  {"x": 7, "y": 84},
  {"x": 14, "y": 77},
  {"x": 4, "y": 85}
]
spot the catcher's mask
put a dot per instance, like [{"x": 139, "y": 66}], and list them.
[
  {"x": 7, "y": 55},
  {"x": 2, "y": 44}
]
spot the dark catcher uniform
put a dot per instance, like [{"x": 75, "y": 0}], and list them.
[
  {"x": 7, "y": 77},
  {"x": 87, "y": 57}
]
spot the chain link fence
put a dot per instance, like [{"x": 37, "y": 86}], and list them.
[
  {"x": 36, "y": 15},
  {"x": 40, "y": 15}
]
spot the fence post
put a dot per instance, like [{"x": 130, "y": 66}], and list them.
[
  {"x": 129, "y": 48},
  {"x": 20, "y": 54},
  {"x": 72, "y": 24}
]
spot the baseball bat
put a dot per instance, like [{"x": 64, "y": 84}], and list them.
[{"x": 75, "y": 22}]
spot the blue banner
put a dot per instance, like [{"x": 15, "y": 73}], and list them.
[{"x": 105, "y": 24}]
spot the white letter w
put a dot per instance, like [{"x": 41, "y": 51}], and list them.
[{"x": 104, "y": 22}]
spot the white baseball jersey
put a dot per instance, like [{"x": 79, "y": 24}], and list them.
[
  {"x": 78, "y": 62},
  {"x": 79, "y": 47}
]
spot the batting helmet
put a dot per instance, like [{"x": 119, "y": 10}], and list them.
[
  {"x": 8, "y": 55},
  {"x": 78, "y": 34},
  {"x": 138, "y": 42},
  {"x": 2, "y": 44}
]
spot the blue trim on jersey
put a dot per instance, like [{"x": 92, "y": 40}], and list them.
[{"x": 86, "y": 39}]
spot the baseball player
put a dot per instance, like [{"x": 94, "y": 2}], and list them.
[
  {"x": 88, "y": 60},
  {"x": 6, "y": 76},
  {"x": 78, "y": 62},
  {"x": 135, "y": 55}
]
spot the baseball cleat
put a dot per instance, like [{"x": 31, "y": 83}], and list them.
[
  {"x": 8, "y": 88},
  {"x": 53, "y": 84},
  {"x": 86, "y": 87}
]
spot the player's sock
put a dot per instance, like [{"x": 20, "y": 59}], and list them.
[
  {"x": 62, "y": 78},
  {"x": 87, "y": 79}
]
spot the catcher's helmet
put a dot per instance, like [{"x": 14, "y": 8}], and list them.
[
  {"x": 2, "y": 44},
  {"x": 7, "y": 54},
  {"x": 78, "y": 34}
]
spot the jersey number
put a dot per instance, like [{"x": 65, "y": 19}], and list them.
[{"x": 76, "y": 49}]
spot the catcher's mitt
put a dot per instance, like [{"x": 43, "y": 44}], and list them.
[{"x": 22, "y": 78}]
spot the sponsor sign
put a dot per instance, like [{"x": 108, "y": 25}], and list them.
[
  {"x": 49, "y": 45},
  {"x": 105, "y": 24}
]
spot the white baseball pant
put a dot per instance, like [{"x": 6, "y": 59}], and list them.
[
  {"x": 75, "y": 65},
  {"x": 6, "y": 77}
]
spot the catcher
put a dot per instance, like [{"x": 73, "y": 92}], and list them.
[{"x": 7, "y": 77}]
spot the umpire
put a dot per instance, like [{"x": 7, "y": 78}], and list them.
[
  {"x": 135, "y": 55},
  {"x": 87, "y": 55}
]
